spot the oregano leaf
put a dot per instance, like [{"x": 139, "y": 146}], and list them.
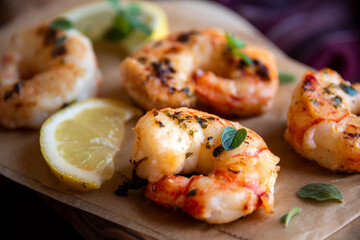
[
  {"x": 232, "y": 138},
  {"x": 287, "y": 217},
  {"x": 285, "y": 77},
  {"x": 61, "y": 23},
  {"x": 320, "y": 192},
  {"x": 348, "y": 89}
]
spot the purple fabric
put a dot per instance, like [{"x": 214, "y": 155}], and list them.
[{"x": 322, "y": 33}]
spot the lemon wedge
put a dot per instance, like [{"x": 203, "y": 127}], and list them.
[
  {"x": 94, "y": 19},
  {"x": 79, "y": 142}
]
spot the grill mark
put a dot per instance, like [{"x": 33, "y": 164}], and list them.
[{"x": 15, "y": 90}]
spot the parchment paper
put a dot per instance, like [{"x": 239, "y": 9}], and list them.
[{"x": 22, "y": 161}]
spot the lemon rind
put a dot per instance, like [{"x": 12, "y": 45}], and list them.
[{"x": 67, "y": 173}]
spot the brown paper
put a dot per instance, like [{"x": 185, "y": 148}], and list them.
[{"x": 22, "y": 161}]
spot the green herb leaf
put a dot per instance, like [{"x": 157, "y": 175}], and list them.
[
  {"x": 233, "y": 42},
  {"x": 61, "y": 23},
  {"x": 286, "y": 77},
  {"x": 348, "y": 89},
  {"x": 188, "y": 154},
  {"x": 132, "y": 14},
  {"x": 114, "y": 35},
  {"x": 60, "y": 41},
  {"x": 287, "y": 217},
  {"x": 114, "y": 3},
  {"x": 243, "y": 56},
  {"x": 125, "y": 21},
  {"x": 337, "y": 101},
  {"x": 320, "y": 192},
  {"x": 218, "y": 150},
  {"x": 232, "y": 138}
]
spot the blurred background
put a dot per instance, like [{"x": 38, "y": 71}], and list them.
[{"x": 322, "y": 33}]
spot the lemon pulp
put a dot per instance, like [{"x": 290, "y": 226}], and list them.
[
  {"x": 79, "y": 143},
  {"x": 90, "y": 141}
]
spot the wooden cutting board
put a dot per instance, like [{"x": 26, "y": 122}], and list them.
[{"x": 21, "y": 159}]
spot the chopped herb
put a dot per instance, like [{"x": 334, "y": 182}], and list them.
[
  {"x": 320, "y": 192},
  {"x": 187, "y": 91},
  {"x": 218, "y": 150},
  {"x": 208, "y": 146},
  {"x": 126, "y": 20},
  {"x": 348, "y": 89},
  {"x": 327, "y": 90},
  {"x": 191, "y": 132},
  {"x": 191, "y": 193},
  {"x": 202, "y": 122},
  {"x": 160, "y": 123},
  {"x": 285, "y": 77},
  {"x": 58, "y": 51},
  {"x": 188, "y": 154},
  {"x": 59, "y": 41},
  {"x": 134, "y": 183},
  {"x": 59, "y": 47},
  {"x": 337, "y": 101},
  {"x": 232, "y": 138},
  {"x": 234, "y": 44},
  {"x": 61, "y": 23},
  {"x": 287, "y": 217},
  {"x": 316, "y": 103}
]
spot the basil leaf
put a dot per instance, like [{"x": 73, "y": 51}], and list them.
[
  {"x": 348, "y": 89},
  {"x": 233, "y": 42},
  {"x": 188, "y": 154},
  {"x": 320, "y": 192},
  {"x": 286, "y": 77},
  {"x": 287, "y": 217},
  {"x": 243, "y": 56},
  {"x": 232, "y": 138},
  {"x": 61, "y": 23}
]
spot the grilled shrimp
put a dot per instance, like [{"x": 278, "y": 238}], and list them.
[
  {"x": 230, "y": 184},
  {"x": 322, "y": 124},
  {"x": 44, "y": 70},
  {"x": 189, "y": 68}
]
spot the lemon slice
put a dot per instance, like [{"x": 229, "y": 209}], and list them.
[
  {"x": 79, "y": 142},
  {"x": 94, "y": 19}
]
